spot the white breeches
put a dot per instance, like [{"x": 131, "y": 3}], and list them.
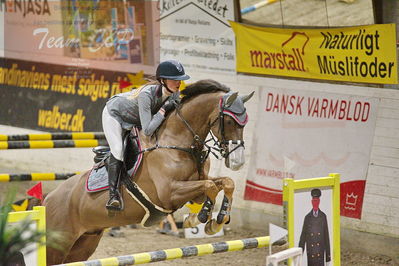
[{"x": 113, "y": 133}]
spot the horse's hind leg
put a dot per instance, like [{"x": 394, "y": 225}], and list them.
[{"x": 84, "y": 247}]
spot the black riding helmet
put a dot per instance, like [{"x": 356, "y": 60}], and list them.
[{"x": 171, "y": 69}]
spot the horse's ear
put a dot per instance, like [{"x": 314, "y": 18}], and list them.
[
  {"x": 247, "y": 97},
  {"x": 229, "y": 100}
]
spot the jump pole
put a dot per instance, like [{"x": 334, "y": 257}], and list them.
[
  {"x": 177, "y": 253},
  {"x": 35, "y": 177},
  {"x": 53, "y": 136},
  {"x": 47, "y": 144}
]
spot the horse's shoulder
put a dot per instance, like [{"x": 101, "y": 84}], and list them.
[{"x": 146, "y": 141}]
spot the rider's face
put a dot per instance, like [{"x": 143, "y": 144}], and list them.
[{"x": 173, "y": 85}]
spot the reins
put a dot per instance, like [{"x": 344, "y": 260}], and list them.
[{"x": 200, "y": 149}]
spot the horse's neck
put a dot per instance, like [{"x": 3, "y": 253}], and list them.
[{"x": 197, "y": 113}]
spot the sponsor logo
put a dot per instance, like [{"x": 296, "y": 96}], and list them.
[
  {"x": 290, "y": 57},
  {"x": 59, "y": 120},
  {"x": 25, "y": 7}
]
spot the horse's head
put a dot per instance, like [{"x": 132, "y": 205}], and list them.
[
  {"x": 228, "y": 127},
  {"x": 226, "y": 122}
]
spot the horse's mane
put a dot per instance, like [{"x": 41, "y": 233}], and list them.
[{"x": 201, "y": 87}]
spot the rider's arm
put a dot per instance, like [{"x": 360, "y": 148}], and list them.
[{"x": 149, "y": 123}]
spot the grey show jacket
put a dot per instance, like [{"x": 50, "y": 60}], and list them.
[{"x": 138, "y": 107}]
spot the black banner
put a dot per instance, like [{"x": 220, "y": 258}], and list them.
[{"x": 53, "y": 97}]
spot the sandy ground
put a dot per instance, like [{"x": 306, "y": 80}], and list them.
[{"x": 147, "y": 239}]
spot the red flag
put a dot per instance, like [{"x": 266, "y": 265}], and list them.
[
  {"x": 123, "y": 84},
  {"x": 36, "y": 191}
]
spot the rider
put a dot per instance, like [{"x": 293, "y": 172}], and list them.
[{"x": 146, "y": 108}]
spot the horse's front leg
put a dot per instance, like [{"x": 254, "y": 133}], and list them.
[
  {"x": 205, "y": 215},
  {"x": 227, "y": 185},
  {"x": 184, "y": 191}
]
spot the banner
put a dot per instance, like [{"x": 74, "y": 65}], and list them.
[
  {"x": 304, "y": 134},
  {"x": 118, "y": 35},
  {"x": 354, "y": 54},
  {"x": 197, "y": 33},
  {"x": 52, "y": 97},
  {"x": 33, "y": 28}
]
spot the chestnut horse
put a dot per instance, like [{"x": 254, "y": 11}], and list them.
[{"x": 173, "y": 172}]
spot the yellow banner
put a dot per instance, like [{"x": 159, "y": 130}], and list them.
[{"x": 355, "y": 54}]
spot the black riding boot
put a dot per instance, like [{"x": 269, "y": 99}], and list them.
[{"x": 114, "y": 170}]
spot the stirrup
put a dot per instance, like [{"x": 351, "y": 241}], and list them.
[{"x": 114, "y": 204}]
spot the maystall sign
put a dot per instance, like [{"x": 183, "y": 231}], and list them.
[
  {"x": 304, "y": 134},
  {"x": 355, "y": 54}
]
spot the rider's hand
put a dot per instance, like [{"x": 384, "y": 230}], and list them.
[
  {"x": 171, "y": 102},
  {"x": 175, "y": 97},
  {"x": 169, "y": 105}
]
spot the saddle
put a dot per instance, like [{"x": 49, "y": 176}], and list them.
[
  {"x": 98, "y": 176},
  {"x": 133, "y": 156}
]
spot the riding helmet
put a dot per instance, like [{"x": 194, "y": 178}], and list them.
[{"x": 171, "y": 69}]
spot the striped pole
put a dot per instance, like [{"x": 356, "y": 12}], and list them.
[
  {"x": 35, "y": 177},
  {"x": 46, "y": 144},
  {"x": 256, "y": 6},
  {"x": 177, "y": 253},
  {"x": 54, "y": 136}
]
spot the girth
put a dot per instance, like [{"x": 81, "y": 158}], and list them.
[{"x": 154, "y": 213}]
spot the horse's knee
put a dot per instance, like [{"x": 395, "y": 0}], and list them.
[
  {"x": 211, "y": 190},
  {"x": 228, "y": 185}
]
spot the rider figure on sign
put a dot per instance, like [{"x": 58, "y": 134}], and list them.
[{"x": 135, "y": 109}]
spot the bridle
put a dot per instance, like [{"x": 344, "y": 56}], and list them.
[
  {"x": 200, "y": 149},
  {"x": 220, "y": 145},
  {"x": 224, "y": 142}
]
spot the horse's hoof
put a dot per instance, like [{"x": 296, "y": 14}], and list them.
[{"x": 209, "y": 227}]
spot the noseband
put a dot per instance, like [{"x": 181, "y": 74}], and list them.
[{"x": 220, "y": 145}]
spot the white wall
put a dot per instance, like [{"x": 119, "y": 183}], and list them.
[{"x": 380, "y": 213}]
